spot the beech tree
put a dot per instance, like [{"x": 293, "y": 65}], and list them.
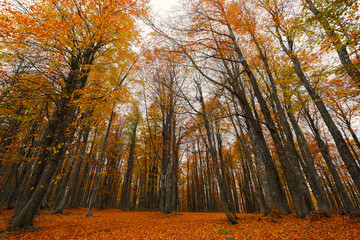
[
  {"x": 339, "y": 21},
  {"x": 234, "y": 106},
  {"x": 64, "y": 50},
  {"x": 289, "y": 48}
]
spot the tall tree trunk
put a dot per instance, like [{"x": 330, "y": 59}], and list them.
[
  {"x": 341, "y": 145},
  {"x": 174, "y": 169},
  {"x": 213, "y": 154},
  {"x": 254, "y": 126},
  {"x": 349, "y": 207},
  {"x": 293, "y": 175},
  {"x": 97, "y": 179},
  {"x": 80, "y": 196},
  {"x": 262, "y": 153},
  {"x": 313, "y": 177},
  {"x": 55, "y": 137},
  {"x": 126, "y": 189},
  {"x": 72, "y": 183},
  {"x": 165, "y": 177}
]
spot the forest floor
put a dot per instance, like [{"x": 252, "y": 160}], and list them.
[{"x": 115, "y": 224}]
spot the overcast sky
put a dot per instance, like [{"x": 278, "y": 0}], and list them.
[{"x": 162, "y": 6}]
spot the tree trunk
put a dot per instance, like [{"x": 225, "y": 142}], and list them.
[
  {"x": 349, "y": 207},
  {"x": 313, "y": 177},
  {"x": 98, "y": 168},
  {"x": 213, "y": 154},
  {"x": 71, "y": 186},
  {"x": 341, "y": 145},
  {"x": 262, "y": 152},
  {"x": 126, "y": 189},
  {"x": 54, "y": 138},
  {"x": 293, "y": 175}
]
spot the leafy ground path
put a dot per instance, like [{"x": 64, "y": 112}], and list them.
[{"x": 115, "y": 224}]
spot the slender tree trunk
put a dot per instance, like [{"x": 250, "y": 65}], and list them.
[
  {"x": 78, "y": 201},
  {"x": 126, "y": 189},
  {"x": 255, "y": 128},
  {"x": 293, "y": 175},
  {"x": 213, "y": 154},
  {"x": 349, "y": 207},
  {"x": 353, "y": 134},
  {"x": 72, "y": 183},
  {"x": 313, "y": 177},
  {"x": 98, "y": 168},
  {"x": 174, "y": 169},
  {"x": 341, "y": 145}
]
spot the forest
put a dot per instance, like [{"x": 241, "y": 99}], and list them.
[{"x": 223, "y": 115}]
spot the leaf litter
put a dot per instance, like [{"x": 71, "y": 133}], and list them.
[{"x": 117, "y": 224}]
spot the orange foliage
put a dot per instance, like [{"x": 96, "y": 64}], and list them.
[{"x": 115, "y": 224}]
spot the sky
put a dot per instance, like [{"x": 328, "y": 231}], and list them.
[{"x": 162, "y": 6}]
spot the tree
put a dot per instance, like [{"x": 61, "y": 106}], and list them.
[
  {"x": 337, "y": 20},
  {"x": 288, "y": 47},
  {"x": 64, "y": 49},
  {"x": 125, "y": 191}
]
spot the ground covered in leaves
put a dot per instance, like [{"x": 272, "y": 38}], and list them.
[{"x": 115, "y": 224}]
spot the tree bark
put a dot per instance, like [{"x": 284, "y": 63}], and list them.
[
  {"x": 347, "y": 204},
  {"x": 97, "y": 179},
  {"x": 313, "y": 177},
  {"x": 213, "y": 154},
  {"x": 72, "y": 183},
  {"x": 341, "y": 145},
  {"x": 126, "y": 189}
]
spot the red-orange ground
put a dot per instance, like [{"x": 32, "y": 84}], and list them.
[{"x": 115, "y": 224}]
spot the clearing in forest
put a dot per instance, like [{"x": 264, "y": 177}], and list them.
[{"x": 116, "y": 224}]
